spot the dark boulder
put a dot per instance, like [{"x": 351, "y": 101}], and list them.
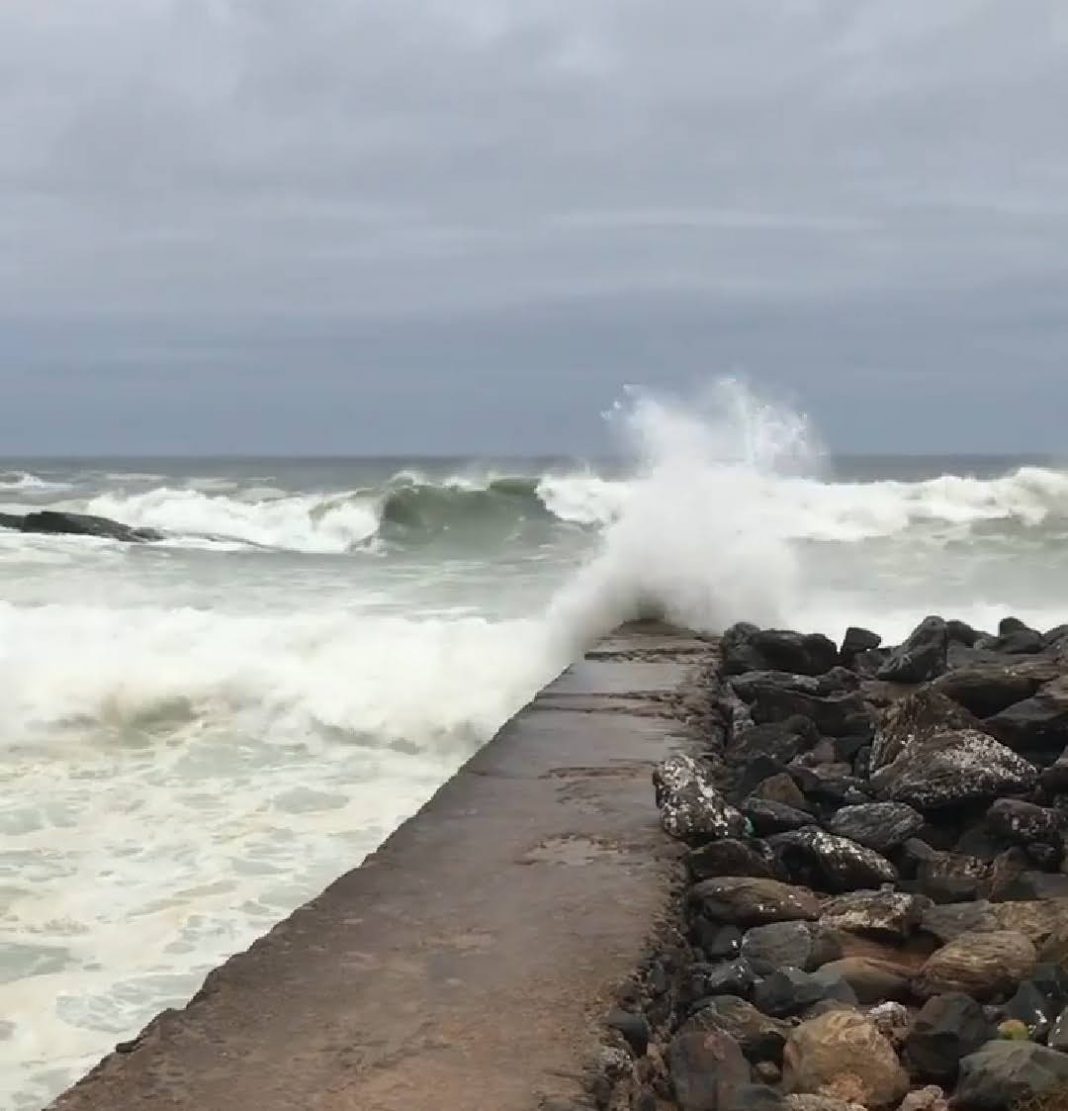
[
  {"x": 53, "y": 522},
  {"x": 1022, "y": 823},
  {"x": 691, "y": 806},
  {"x": 1001, "y": 1074},
  {"x": 948, "y": 921},
  {"x": 781, "y": 741},
  {"x": 1033, "y": 886},
  {"x": 832, "y": 785},
  {"x": 707, "y": 1068},
  {"x": 759, "y": 1037},
  {"x": 914, "y": 719},
  {"x": 1037, "y": 723},
  {"x": 959, "y": 632},
  {"x": 767, "y": 816},
  {"x": 747, "y": 648},
  {"x": 881, "y": 826},
  {"x": 747, "y": 901},
  {"x": 716, "y": 941},
  {"x": 947, "y": 1028},
  {"x": 1030, "y": 1006},
  {"x": 789, "y": 991},
  {"x": 869, "y": 979},
  {"x": 838, "y": 715},
  {"x": 950, "y": 877},
  {"x": 921, "y": 657},
  {"x": 11, "y": 521},
  {"x": 819, "y": 859},
  {"x": 1054, "y": 779},
  {"x": 732, "y": 857},
  {"x": 783, "y": 789},
  {"x": 705, "y": 980},
  {"x": 634, "y": 1027},
  {"x": 988, "y": 688},
  {"x": 952, "y": 768},
  {"x": 789, "y": 944},
  {"x": 856, "y": 641}
]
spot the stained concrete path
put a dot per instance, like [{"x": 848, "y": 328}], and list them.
[{"x": 467, "y": 963}]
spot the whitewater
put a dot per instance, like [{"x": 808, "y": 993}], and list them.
[{"x": 200, "y": 733}]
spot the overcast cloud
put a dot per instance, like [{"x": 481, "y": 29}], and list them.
[{"x": 460, "y": 225}]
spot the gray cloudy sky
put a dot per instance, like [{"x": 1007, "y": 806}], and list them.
[{"x": 456, "y": 225}]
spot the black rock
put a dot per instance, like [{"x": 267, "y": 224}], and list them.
[
  {"x": 1021, "y": 823},
  {"x": 881, "y": 826},
  {"x": 1029, "y": 1006},
  {"x": 716, "y": 941},
  {"x": 787, "y": 992},
  {"x": 1029, "y": 886},
  {"x": 988, "y": 688},
  {"x": 914, "y": 719},
  {"x": 947, "y": 1028},
  {"x": 835, "y": 716},
  {"x": 961, "y": 633},
  {"x": 856, "y": 641},
  {"x": 839, "y": 680},
  {"x": 953, "y": 768},
  {"x": 1054, "y": 779},
  {"x": 747, "y": 648},
  {"x": 783, "y": 789},
  {"x": 946, "y": 922},
  {"x": 818, "y": 859},
  {"x": 1038, "y": 722},
  {"x": 634, "y": 1028},
  {"x": 707, "y": 1068},
  {"x": 767, "y": 816},
  {"x": 782, "y": 741},
  {"x": 830, "y": 784},
  {"x": 1022, "y": 642},
  {"x": 1002, "y": 1074},
  {"x": 11, "y": 521},
  {"x": 1055, "y": 636},
  {"x": 921, "y": 657},
  {"x": 729, "y": 978},
  {"x": 789, "y": 944},
  {"x": 759, "y": 1037},
  {"x": 732, "y": 857},
  {"x": 1058, "y": 1035},
  {"x": 52, "y": 522}
]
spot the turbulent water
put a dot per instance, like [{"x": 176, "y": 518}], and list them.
[{"x": 198, "y": 734}]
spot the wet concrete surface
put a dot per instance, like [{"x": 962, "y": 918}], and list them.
[{"x": 468, "y": 962}]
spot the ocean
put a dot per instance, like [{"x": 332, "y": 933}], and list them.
[{"x": 200, "y": 733}]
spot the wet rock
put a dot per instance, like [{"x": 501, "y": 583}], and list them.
[
  {"x": 1021, "y": 823},
  {"x": 914, "y": 719},
  {"x": 840, "y": 715},
  {"x": 634, "y": 1027},
  {"x": 747, "y": 648},
  {"x": 781, "y": 741},
  {"x": 891, "y": 914},
  {"x": 1031, "y": 1007},
  {"x": 731, "y": 978},
  {"x": 947, "y": 1028},
  {"x": 872, "y": 981},
  {"x": 947, "y": 922},
  {"x": 755, "y": 684},
  {"x": 1002, "y": 1073},
  {"x": 788, "y": 991},
  {"x": 789, "y": 944},
  {"x": 921, "y": 657},
  {"x": 1017, "y": 639},
  {"x": 951, "y": 877},
  {"x": 52, "y": 522},
  {"x": 691, "y": 806},
  {"x": 759, "y": 1037},
  {"x": 732, "y": 857},
  {"x": 767, "y": 816},
  {"x": 856, "y": 641},
  {"x": 716, "y": 941},
  {"x": 982, "y": 965},
  {"x": 1058, "y": 1035},
  {"x": 835, "y": 864},
  {"x": 781, "y": 788},
  {"x": 987, "y": 689},
  {"x": 749, "y": 901},
  {"x": 823, "y": 1051},
  {"x": 707, "y": 1068},
  {"x": 1036, "y": 723},
  {"x": 950, "y": 769},
  {"x": 881, "y": 826}
]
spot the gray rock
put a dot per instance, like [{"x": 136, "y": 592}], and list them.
[
  {"x": 1036, "y": 723},
  {"x": 732, "y": 857},
  {"x": 988, "y": 688},
  {"x": 856, "y": 641},
  {"x": 789, "y": 991},
  {"x": 789, "y": 944},
  {"x": 881, "y": 826},
  {"x": 707, "y": 1067},
  {"x": 949, "y": 921},
  {"x": 947, "y": 1028},
  {"x": 768, "y": 816},
  {"x": 1002, "y": 1073},
  {"x": 691, "y": 806},
  {"x": 921, "y": 657},
  {"x": 781, "y": 741},
  {"x": 835, "y": 864},
  {"x": 953, "y": 768},
  {"x": 1058, "y": 1035}
]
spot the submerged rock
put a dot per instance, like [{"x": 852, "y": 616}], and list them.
[{"x": 52, "y": 522}]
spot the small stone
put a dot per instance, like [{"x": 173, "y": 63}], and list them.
[
  {"x": 1033, "y": 1010},
  {"x": 1003, "y": 1073},
  {"x": 983, "y": 965},
  {"x": 781, "y": 788},
  {"x": 843, "y": 1044},
  {"x": 767, "y": 1072},
  {"x": 1013, "y": 1030},
  {"x": 747, "y": 901},
  {"x": 892, "y": 1021},
  {"x": 947, "y": 1028}
]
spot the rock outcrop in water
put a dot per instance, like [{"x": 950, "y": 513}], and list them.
[
  {"x": 877, "y": 857},
  {"x": 55, "y": 523}
]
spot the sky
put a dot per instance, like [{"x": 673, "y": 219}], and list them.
[{"x": 438, "y": 226}]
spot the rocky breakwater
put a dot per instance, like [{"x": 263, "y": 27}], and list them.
[{"x": 876, "y": 905}]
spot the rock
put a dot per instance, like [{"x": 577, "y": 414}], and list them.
[
  {"x": 1054, "y": 948},
  {"x": 892, "y": 1021},
  {"x": 1032, "y": 887},
  {"x": 1002, "y": 1073},
  {"x": 1030, "y": 1006},
  {"x": 1036, "y": 723},
  {"x": 1005, "y": 870},
  {"x": 951, "y": 877},
  {"x": 1058, "y": 1035},
  {"x": 759, "y": 1037},
  {"x": 824, "y": 1050},
  {"x": 767, "y": 1072},
  {"x": 856, "y": 641},
  {"x": 1021, "y": 823},
  {"x": 802, "y": 1102},
  {"x": 782, "y": 789},
  {"x": 953, "y": 768},
  {"x": 891, "y": 914},
  {"x": 987, "y": 689},
  {"x": 732, "y": 857},
  {"x": 747, "y": 648},
  {"x": 52, "y": 522},
  {"x": 707, "y": 1068},
  {"x": 872, "y": 981},
  {"x": 1037, "y": 919},
  {"x": 838, "y": 715},
  {"x": 947, "y": 922},
  {"x": 748, "y": 901},
  {"x": 11, "y": 521},
  {"x": 782, "y": 741},
  {"x": 881, "y": 826},
  {"x": 947, "y": 1028},
  {"x": 754, "y": 684},
  {"x": 730, "y": 978},
  {"x": 789, "y": 944},
  {"x": 914, "y": 719},
  {"x": 1017, "y": 639},
  {"x": 788, "y": 991},
  {"x": 931, "y": 1098},
  {"x": 982, "y": 965},
  {"x": 835, "y": 864},
  {"x": 756, "y": 1097},
  {"x": 634, "y": 1027},
  {"x": 959, "y": 632},
  {"x": 830, "y": 784},
  {"x": 921, "y": 657},
  {"x": 767, "y": 816},
  {"x": 1054, "y": 779},
  {"x": 691, "y": 806},
  {"x": 717, "y": 942}
]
